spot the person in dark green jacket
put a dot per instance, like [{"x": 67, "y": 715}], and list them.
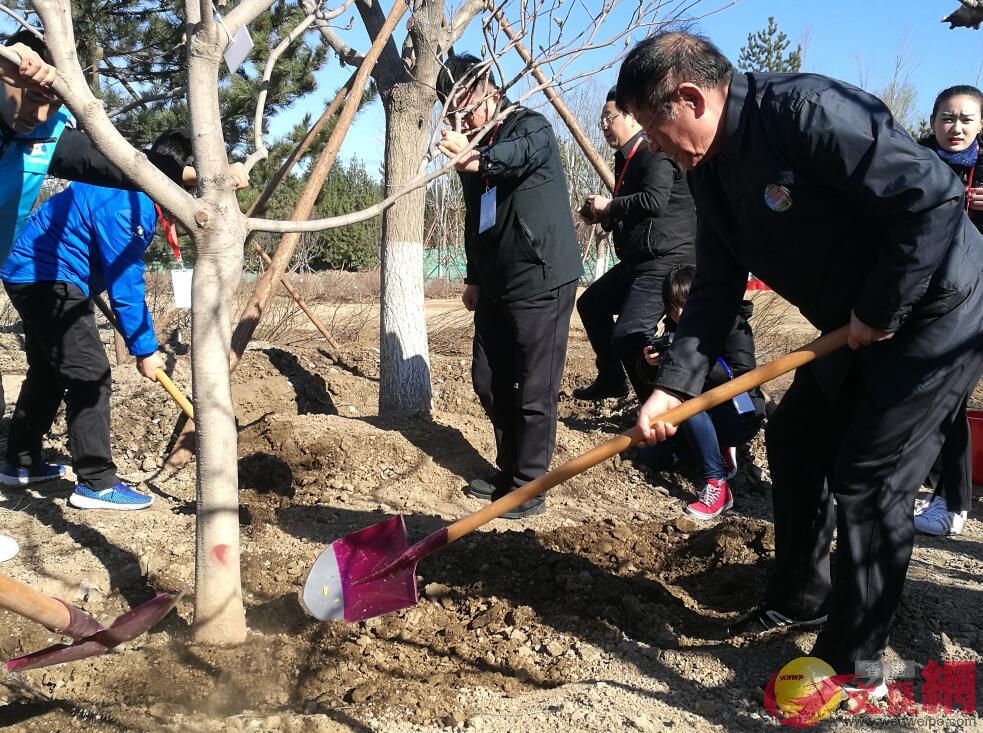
[{"x": 523, "y": 264}]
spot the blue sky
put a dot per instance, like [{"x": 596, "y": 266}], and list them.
[{"x": 841, "y": 38}]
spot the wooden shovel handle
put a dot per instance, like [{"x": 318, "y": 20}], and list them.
[
  {"x": 162, "y": 377},
  {"x": 175, "y": 394},
  {"x": 45, "y": 610},
  {"x": 717, "y": 396}
]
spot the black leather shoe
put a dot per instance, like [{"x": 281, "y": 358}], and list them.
[
  {"x": 536, "y": 505},
  {"x": 483, "y": 488},
  {"x": 601, "y": 390}
]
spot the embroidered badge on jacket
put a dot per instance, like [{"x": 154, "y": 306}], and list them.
[{"x": 777, "y": 198}]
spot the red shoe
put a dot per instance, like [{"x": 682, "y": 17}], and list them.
[
  {"x": 728, "y": 457},
  {"x": 714, "y": 499}
]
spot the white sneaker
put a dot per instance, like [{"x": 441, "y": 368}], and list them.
[
  {"x": 855, "y": 695},
  {"x": 935, "y": 519},
  {"x": 8, "y": 547},
  {"x": 958, "y": 520}
]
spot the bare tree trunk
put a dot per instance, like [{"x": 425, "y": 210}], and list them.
[
  {"x": 219, "y": 614},
  {"x": 404, "y": 369}
]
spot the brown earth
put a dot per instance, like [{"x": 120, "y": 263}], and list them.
[{"x": 609, "y": 612}]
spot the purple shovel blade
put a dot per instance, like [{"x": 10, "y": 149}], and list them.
[
  {"x": 330, "y": 592},
  {"x": 128, "y": 626}
]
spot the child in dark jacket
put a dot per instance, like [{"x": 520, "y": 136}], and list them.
[
  {"x": 712, "y": 437},
  {"x": 79, "y": 242},
  {"x": 957, "y": 118}
]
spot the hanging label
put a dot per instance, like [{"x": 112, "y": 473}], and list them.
[
  {"x": 238, "y": 49},
  {"x": 489, "y": 202},
  {"x": 743, "y": 403}
]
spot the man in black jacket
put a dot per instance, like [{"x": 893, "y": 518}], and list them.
[
  {"x": 807, "y": 182},
  {"x": 523, "y": 264},
  {"x": 653, "y": 224}
]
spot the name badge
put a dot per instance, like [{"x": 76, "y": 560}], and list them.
[
  {"x": 743, "y": 403},
  {"x": 489, "y": 202}
]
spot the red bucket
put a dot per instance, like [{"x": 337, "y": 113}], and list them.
[{"x": 976, "y": 442}]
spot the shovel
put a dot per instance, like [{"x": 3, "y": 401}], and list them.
[
  {"x": 91, "y": 639},
  {"x": 373, "y": 571},
  {"x": 161, "y": 375}
]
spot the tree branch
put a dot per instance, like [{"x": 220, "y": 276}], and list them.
[
  {"x": 149, "y": 99},
  {"x": 259, "y": 205},
  {"x": 72, "y": 87},
  {"x": 333, "y": 222},
  {"x": 263, "y": 292},
  {"x": 346, "y": 54},
  {"x": 24, "y": 23},
  {"x": 390, "y": 65},
  {"x": 244, "y": 13},
  {"x": 261, "y": 150},
  {"x": 464, "y": 15},
  {"x": 602, "y": 168}
]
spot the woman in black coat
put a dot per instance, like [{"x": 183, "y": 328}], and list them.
[{"x": 957, "y": 119}]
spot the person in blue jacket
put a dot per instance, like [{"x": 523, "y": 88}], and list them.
[{"x": 79, "y": 242}]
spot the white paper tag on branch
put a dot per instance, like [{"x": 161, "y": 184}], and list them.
[{"x": 238, "y": 49}]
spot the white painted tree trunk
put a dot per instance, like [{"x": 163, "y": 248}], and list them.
[{"x": 404, "y": 369}]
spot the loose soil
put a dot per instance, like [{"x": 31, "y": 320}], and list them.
[{"x": 609, "y": 612}]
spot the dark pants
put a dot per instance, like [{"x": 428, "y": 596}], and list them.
[
  {"x": 65, "y": 359},
  {"x": 519, "y": 352},
  {"x": 952, "y": 473},
  {"x": 700, "y": 438},
  {"x": 635, "y": 297},
  {"x": 872, "y": 460}
]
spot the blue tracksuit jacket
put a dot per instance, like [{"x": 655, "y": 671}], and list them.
[{"x": 94, "y": 238}]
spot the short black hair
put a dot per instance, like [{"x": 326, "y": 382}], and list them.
[
  {"x": 462, "y": 68},
  {"x": 960, "y": 90},
  {"x": 612, "y": 95},
  {"x": 32, "y": 42},
  {"x": 175, "y": 144},
  {"x": 656, "y": 66},
  {"x": 677, "y": 284}
]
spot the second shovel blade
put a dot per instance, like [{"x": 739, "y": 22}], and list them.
[{"x": 330, "y": 592}]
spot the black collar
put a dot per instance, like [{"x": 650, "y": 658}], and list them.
[
  {"x": 626, "y": 148},
  {"x": 737, "y": 95}
]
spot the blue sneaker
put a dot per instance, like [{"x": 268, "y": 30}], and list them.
[
  {"x": 13, "y": 476},
  {"x": 120, "y": 497}
]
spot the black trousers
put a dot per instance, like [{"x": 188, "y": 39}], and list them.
[
  {"x": 65, "y": 359},
  {"x": 952, "y": 473},
  {"x": 872, "y": 460},
  {"x": 635, "y": 297},
  {"x": 520, "y": 349}
]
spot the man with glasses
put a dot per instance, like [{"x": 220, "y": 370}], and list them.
[
  {"x": 523, "y": 264},
  {"x": 653, "y": 224},
  {"x": 811, "y": 184}
]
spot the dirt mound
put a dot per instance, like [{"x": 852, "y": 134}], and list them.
[{"x": 325, "y": 457}]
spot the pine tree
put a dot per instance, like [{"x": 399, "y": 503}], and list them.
[
  {"x": 766, "y": 51},
  {"x": 135, "y": 48}
]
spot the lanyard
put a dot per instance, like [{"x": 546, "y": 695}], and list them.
[
  {"x": 730, "y": 374},
  {"x": 170, "y": 232},
  {"x": 631, "y": 154},
  {"x": 969, "y": 184}
]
